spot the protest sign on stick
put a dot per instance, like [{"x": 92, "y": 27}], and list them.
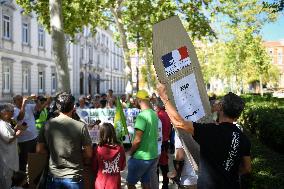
[{"x": 177, "y": 66}]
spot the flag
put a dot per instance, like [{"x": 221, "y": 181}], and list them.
[
  {"x": 120, "y": 121},
  {"x": 176, "y": 60}
]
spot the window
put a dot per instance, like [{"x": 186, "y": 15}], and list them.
[
  {"x": 103, "y": 39},
  {"x": 271, "y": 51},
  {"x": 53, "y": 81},
  {"x": 6, "y": 79},
  {"x": 279, "y": 57},
  {"x": 82, "y": 52},
  {"x": 90, "y": 52},
  {"x": 25, "y": 33},
  {"x": 40, "y": 37},
  {"x": 116, "y": 62},
  {"x": 98, "y": 59},
  {"x": 41, "y": 81},
  {"x": 26, "y": 80},
  {"x": 6, "y": 27}
]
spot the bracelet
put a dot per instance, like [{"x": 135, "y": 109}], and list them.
[{"x": 166, "y": 102}]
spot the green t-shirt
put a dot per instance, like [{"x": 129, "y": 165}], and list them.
[{"x": 147, "y": 121}]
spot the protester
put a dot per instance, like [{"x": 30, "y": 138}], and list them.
[
  {"x": 69, "y": 145},
  {"x": 19, "y": 180},
  {"x": 82, "y": 103},
  {"x": 166, "y": 125},
  {"x": 144, "y": 150},
  {"x": 123, "y": 101},
  {"x": 103, "y": 103},
  {"x": 111, "y": 103},
  {"x": 96, "y": 104},
  {"x": 110, "y": 95},
  {"x": 9, "y": 159},
  {"x": 224, "y": 149},
  {"x": 24, "y": 112},
  {"x": 88, "y": 100},
  {"x": 183, "y": 175},
  {"x": 42, "y": 112},
  {"x": 103, "y": 96},
  {"x": 154, "y": 99},
  {"x": 108, "y": 159}
]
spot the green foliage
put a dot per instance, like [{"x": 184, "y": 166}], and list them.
[
  {"x": 264, "y": 117},
  {"x": 76, "y": 13},
  {"x": 267, "y": 166},
  {"x": 238, "y": 56}
]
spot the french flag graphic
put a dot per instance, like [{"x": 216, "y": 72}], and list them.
[{"x": 176, "y": 60}]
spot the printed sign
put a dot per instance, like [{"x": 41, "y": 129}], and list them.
[
  {"x": 187, "y": 98},
  {"x": 176, "y": 60},
  {"x": 107, "y": 115}
]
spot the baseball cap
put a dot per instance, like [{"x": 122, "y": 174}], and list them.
[{"x": 143, "y": 95}]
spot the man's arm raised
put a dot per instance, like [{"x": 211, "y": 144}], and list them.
[{"x": 175, "y": 117}]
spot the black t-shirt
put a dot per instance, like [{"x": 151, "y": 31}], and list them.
[{"x": 221, "y": 149}]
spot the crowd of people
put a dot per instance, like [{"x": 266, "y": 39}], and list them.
[{"x": 51, "y": 126}]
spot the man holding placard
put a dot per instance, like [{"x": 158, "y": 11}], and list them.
[{"x": 224, "y": 149}]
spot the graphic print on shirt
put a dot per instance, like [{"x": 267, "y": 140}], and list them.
[
  {"x": 111, "y": 167},
  {"x": 229, "y": 162}
]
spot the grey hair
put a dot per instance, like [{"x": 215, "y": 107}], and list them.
[{"x": 6, "y": 107}]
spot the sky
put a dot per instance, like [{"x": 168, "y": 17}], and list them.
[{"x": 274, "y": 31}]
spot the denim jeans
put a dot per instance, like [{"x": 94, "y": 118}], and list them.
[
  {"x": 64, "y": 183},
  {"x": 140, "y": 170}
]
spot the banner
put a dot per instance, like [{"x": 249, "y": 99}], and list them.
[{"x": 90, "y": 116}]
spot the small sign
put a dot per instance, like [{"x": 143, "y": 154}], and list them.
[
  {"x": 176, "y": 60},
  {"x": 187, "y": 98}
]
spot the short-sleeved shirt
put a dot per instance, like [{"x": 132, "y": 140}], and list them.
[
  {"x": 31, "y": 132},
  {"x": 221, "y": 150},
  {"x": 65, "y": 138},
  {"x": 188, "y": 176},
  {"x": 8, "y": 150},
  {"x": 147, "y": 121}
]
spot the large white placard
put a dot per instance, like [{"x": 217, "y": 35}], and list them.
[{"x": 187, "y": 98}]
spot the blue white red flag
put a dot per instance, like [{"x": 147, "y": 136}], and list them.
[{"x": 176, "y": 60}]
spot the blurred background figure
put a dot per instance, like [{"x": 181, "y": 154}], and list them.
[{"x": 24, "y": 113}]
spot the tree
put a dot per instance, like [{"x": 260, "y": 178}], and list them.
[
  {"x": 60, "y": 18},
  {"x": 277, "y": 5},
  {"x": 243, "y": 56}
]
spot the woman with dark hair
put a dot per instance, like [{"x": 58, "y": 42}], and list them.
[{"x": 108, "y": 159}]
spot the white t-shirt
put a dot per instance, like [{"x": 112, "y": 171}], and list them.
[
  {"x": 188, "y": 175},
  {"x": 31, "y": 132},
  {"x": 8, "y": 151}
]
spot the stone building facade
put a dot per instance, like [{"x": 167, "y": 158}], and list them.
[{"x": 26, "y": 59}]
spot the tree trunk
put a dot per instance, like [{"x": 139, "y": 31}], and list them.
[
  {"x": 123, "y": 39},
  {"x": 58, "y": 45},
  {"x": 260, "y": 85},
  {"x": 148, "y": 67}
]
